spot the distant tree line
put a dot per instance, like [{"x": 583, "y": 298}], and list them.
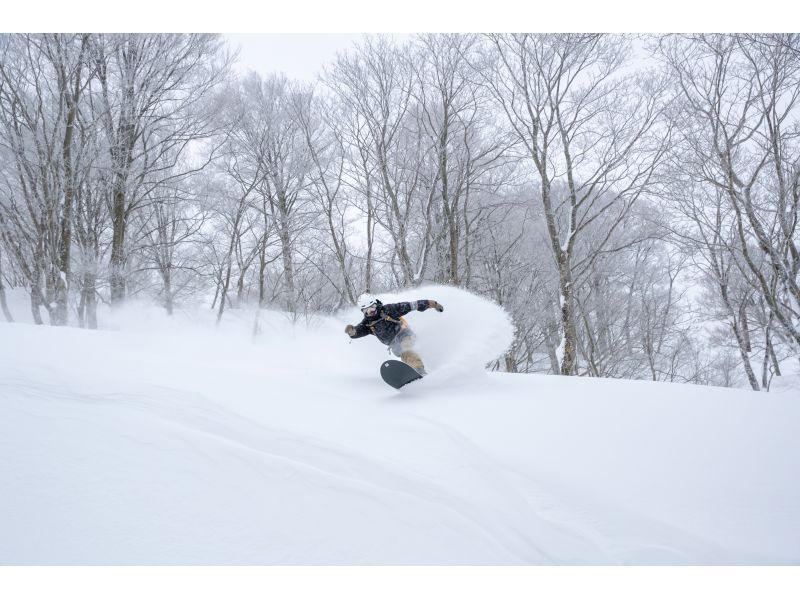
[{"x": 632, "y": 201}]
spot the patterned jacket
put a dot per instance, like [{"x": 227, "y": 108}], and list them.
[{"x": 388, "y": 321}]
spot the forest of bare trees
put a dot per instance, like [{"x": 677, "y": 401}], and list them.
[{"x": 631, "y": 201}]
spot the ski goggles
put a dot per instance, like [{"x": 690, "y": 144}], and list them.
[{"x": 369, "y": 311}]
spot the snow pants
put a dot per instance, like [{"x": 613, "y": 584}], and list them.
[{"x": 403, "y": 347}]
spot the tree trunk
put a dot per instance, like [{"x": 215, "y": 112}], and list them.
[
  {"x": 89, "y": 297},
  {"x": 122, "y": 159},
  {"x": 741, "y": 341},
  {"x": 448, "y": 207},
  {"x": 570, "y": 341},
  {"x": 286, "y": 250},
  {"x": 511, "y": 363},
  {"x": 262, "y": 268},
  {"x": 370, "y": 229},
  {"x": 82, "y": 310},
  {"x": 167, "y": 276},
  {"x": 72, "y": 97},
  {"x": 118, "y": 247},
  {"x": 35, "y": 303},
  {"x": 3, "y": 303},
  {"x": 224, "y": 292},
  {"x": 770, "y": 350},
  {"x": 748, "y": 368}
]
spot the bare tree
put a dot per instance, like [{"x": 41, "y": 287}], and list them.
[
  {"x": 3, "y": 303},
  {"x": 39, "y": 122},
  {"x": 234, "y": 193},
  {"x": 284, "y": 162},
  {"x": 350, "y": 120},
  {"x": 376, "y": 81},
  {"x": 325, "y": 145},
  {"x": 170, "y": 228},
  {"x": 456, "y": 122},
  {"x": 740, "y": 100},
  {"x": 584, "y": 124},
  {"x": 154, "y": 91}
]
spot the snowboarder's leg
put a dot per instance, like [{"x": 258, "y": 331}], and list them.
[
  {"x": 412, "y": 359},
  {"x": 403, "y": 347}
]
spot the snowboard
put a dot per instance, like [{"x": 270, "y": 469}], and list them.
[{"x": 396, "y": 373}]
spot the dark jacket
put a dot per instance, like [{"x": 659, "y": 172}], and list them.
[{"x": 386, "y": 323}]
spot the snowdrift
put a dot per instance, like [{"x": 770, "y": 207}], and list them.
[{"x": 175, "y": 441}]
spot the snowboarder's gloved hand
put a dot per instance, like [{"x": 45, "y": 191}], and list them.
[
  {"x": 350, "y": 330},
  {"x": 437, "y": 306}
]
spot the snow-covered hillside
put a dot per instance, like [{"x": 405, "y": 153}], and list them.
[{"x": 172, "y": 441}]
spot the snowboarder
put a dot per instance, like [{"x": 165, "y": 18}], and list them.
[{"x": 388, "y": 324}]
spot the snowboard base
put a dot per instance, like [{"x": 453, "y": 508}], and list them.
[{"x": 396, "y": 373}]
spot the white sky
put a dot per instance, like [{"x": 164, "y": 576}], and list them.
[
  {"x": 298, "y": 55},
  {"x": 410, "y": 15}
]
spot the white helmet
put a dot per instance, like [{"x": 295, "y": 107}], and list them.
[{"x": 366, "y": 300}]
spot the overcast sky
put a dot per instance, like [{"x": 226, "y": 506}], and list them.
[
  {"x": 298, "y": 55},
  {"x": 412, "y": 15}
]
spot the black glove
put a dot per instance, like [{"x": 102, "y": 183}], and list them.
[{"x": 350, "y": 330}]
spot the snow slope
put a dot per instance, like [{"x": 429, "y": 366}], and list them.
[{"x": 171, "y": 441}]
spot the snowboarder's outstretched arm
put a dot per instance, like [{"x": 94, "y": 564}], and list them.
[
  {"x": 395, "y": 310},
  {"x": 357, "y": 331}
]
